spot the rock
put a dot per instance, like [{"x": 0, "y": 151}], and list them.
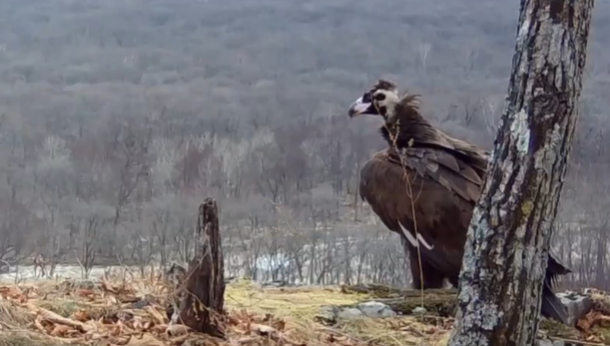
[
  {"x": 275, "y": 283},
  {"x": 330, "y": 314},
  {"x": 140, "y": 304},
  {"x": 327, "y": 314},
  {"x": 548, "y": 342},
  {"x": 349, "y": 313},
  {"x": 419, "y": 311},
  {"x": 79, "y": 284},
  {"x": 375, "y": 309},
  {"x": 577, "y": 305}
]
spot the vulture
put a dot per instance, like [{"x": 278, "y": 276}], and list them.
[{"x": 429, "y": 179}]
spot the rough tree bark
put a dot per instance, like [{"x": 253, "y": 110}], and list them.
[
  {"x": 510, "y": 231},
  {"x": 202, "y": 307}
]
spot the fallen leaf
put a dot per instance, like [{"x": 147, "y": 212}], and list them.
[
  {"x": 146, "y": 340},
  {"x": 59, "y": 330},
  {"x": 177, "y": 329}
]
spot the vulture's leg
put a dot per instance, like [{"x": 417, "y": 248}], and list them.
[
  {"x": 454, "y": 281},
  {"x": 432, "y": 278}
]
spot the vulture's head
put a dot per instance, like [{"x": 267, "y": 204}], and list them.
[{"x": 381, "y": 100}]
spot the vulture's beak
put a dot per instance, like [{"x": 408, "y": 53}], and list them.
[{"x": 360, "y": 107}]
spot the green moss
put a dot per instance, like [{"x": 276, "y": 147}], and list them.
[
  {"x": 526, "y": 208},
  {"x": 442, "y": 305}
]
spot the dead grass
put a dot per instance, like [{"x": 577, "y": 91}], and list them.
[{"x": 299, "y": 307}]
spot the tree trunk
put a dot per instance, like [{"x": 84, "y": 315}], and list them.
[
  {"x": 510, "y": 231},
  {"x": 202, "y": 307}
]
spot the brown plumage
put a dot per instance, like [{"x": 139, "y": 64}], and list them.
[{"x": 431, "y": 180}]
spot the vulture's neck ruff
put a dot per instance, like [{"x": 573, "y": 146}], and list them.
[{"x": 405, "y": 126}]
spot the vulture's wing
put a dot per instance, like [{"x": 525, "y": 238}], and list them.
[
  {"x": 464, "y": 152},
  {"x": 414, "y": 187},
  {"x": 442, "y": 166}
]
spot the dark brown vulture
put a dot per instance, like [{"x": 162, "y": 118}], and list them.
[{"x": 429, "y": 179}]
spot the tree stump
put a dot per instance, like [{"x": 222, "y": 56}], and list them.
[
  {"x": 509, "y": 235},
  {"x": 202, "y": 307}
]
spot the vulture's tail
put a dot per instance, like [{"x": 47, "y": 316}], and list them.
[{"x": 551, "y": 305}]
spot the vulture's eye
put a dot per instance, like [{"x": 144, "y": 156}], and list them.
[{"x": 380, "y": 97}]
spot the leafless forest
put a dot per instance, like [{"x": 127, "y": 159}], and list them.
[{"x": 120, "y": 116}]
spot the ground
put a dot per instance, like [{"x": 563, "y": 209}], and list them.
[{"x": 124, "y": 311}]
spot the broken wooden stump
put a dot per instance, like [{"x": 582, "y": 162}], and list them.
[{"x": 202, "y": 304}]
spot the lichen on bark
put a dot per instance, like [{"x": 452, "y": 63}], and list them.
[{"x": 509, "y": 235}]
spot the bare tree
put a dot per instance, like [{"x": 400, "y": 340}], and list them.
[
  {"x": 89, "y": 220},
  {"x": 129, "y": 155},
  {"x": 510, "y": 232}
]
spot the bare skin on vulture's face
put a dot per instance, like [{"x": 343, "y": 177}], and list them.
[{"x": 381, "y": 100}]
